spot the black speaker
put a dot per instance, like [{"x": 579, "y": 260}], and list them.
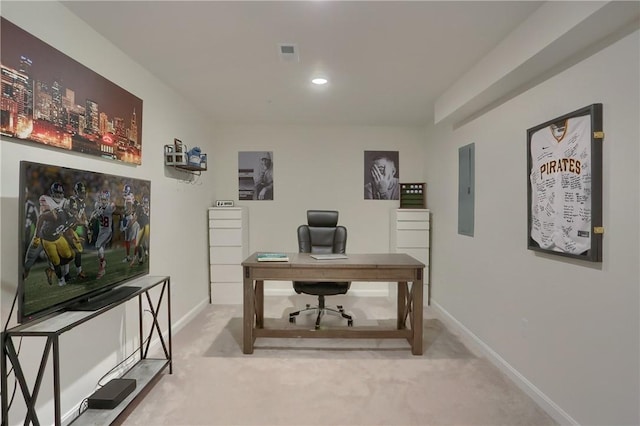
[{"x": 112, "y": 394}]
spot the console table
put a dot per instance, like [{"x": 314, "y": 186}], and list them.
[
  {"x": 53, "y": 326},
  {"x": 391, "y": 267}
]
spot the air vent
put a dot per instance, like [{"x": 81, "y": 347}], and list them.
[{"x": 288, "y": 52}]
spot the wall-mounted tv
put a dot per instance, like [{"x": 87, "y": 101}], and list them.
[{"x": 82, "y": 233}]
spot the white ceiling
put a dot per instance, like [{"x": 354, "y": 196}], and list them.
[{"x": 387, "y": 62}]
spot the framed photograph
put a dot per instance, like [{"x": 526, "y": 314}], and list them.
[
  {"x": 52, "y": 100},
  {"x": 564, "y": 160},
  {"x": 381, "y": 175},
  {"x": 255, "y": 175}
]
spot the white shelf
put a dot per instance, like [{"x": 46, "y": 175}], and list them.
[{"x": 179, "y": 160}]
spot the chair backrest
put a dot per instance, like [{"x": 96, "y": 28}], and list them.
[{"x": 322, "y": 234}]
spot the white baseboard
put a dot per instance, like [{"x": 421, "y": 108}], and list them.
[
  {"x": 72, "y": 414},
  {"x": 521, "y": 381},
  {"x": 186, "y": 319}
]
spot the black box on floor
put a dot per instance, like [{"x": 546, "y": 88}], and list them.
[{"x": 112, "y": 394}]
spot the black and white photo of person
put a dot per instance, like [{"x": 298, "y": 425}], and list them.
[
  {"x": 255, "y": 175},
  {"x": 381, "y": 175}
]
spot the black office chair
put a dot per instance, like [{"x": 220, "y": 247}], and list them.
[{"x": 322, "y": 234}]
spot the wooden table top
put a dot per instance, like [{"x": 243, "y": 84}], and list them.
[{"x": 354, "y": 260}]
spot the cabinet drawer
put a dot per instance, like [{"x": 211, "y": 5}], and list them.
[
  {"x": 412, "y": 238},
  {"x": 225, "y": 214},
  {"x": 225, "y": 223},
  {"x": 226, "y": 273},
  {"x": 225, "y": 255},
  {"x": 225, "y": 237},
  {"x": 411, "y": 215},
  {"x": 421, "y": 225}
]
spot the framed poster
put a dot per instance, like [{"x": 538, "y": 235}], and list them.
[
  {"x": 564, "y": 160},
  {"x": 381, "y": 175},
  {"x": 50, "y": 99},
  {"x": 255, "y": 175}
]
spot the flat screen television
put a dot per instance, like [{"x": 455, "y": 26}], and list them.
[{"x": 82, "y": 234}]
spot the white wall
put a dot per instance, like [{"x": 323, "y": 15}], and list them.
[
  {"x": 566, "y": 329},
  {"x": 316, "y": 168},
  {"x": 178, "y": 223},
  {"x": 579, "y": 351}
]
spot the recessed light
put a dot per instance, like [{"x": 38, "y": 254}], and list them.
[{"x": 319, "y": 81}]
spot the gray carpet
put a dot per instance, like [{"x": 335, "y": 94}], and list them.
[{"x": 328, "y": 381}]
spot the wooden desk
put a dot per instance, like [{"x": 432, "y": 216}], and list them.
[{"x": 392, "y": 267}]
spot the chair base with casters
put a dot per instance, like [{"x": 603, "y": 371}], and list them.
[{"x": 321, "y": 308}]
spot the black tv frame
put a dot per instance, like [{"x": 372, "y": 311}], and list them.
[{"x": 35, "y": 298}]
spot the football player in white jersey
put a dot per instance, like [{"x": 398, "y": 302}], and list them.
[
  {"x": 103, "y": 214},
  {"x": 126, "y": 221},
  {"x": 560, "y": 180},
  {"x": 32, "y": 245}
]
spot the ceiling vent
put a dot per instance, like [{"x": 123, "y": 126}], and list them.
[{"x": 288, "y": 52}]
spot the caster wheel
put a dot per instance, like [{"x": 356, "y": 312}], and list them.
[
  {"x": 308, "y": 306},
  {"x": 292, "y": 320},
  {"x": 350, "y": 323}
]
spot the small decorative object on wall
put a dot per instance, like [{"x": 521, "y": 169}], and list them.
[
  {"x": 413, "y": 195},
  {"x": 381, "y": 174},
  {"x": 565, "y": 185},
  {"x": 50, "y": 99},
  {"x": 255, "y": 175},
  {"x": 178, "y": 156}
]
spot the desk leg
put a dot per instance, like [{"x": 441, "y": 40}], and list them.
[
  {"x": 259, "y": 301},
  {"x": 248, "y": 312},
  {"x": 402, "y": 305},
  {"x": 417, "y": 293}
]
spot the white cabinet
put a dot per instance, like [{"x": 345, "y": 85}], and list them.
[
  {"x": 410, "y": 234},
  {"x": 228, "y": 247}
]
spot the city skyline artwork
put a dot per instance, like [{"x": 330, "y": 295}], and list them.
[{"x": 51, "y": 99}]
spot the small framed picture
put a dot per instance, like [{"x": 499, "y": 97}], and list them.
[
  {"x": 179, "y": 147},
  {"x": 564, "y": 159}
]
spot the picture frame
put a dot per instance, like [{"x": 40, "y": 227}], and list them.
[
  {"x": 52, "y": 100},
  {"x": 381, "y": 175},
  {"x": 255, "y": 176},
  {"x": 564, "y": 176}
]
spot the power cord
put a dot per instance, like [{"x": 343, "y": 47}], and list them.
[
  {"x": 83, "y": 406},
  {"x": 15, "y": 379},
  {"x": 13, "y": 305},
  {"x": 85, "y": 402}
]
